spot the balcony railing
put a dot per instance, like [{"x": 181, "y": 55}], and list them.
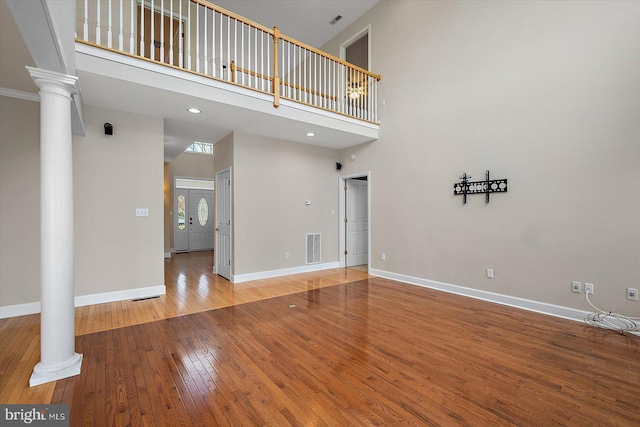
[{"x": 205, "y": 39}]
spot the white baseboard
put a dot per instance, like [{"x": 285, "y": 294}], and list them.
[
  {"x": 79, "y": 301},
  {"x": 151, "y": 291},
  {"x": 525, "y": 304},
  {"x": 167, "y": 254},
  {"x": 239, "y": 278},
  {"x": 19, "y": 310}
]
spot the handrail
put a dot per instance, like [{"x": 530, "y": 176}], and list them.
[
  {"x": 233, "y": 15},
  {"x": 329, "y": 56},
  {"x": 205, "y": 39}
]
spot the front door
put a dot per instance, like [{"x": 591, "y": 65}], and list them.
[
  {"x": 357, "y": 222},
  {"x": 193, "y": 226},
  {"x": 223, "y": 224},
  {"x": 200, "y": 220}
]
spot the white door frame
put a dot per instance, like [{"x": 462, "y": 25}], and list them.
[
  {"x": 357, "y": 36},
  {"x": 342, "y": 182},
  {"x": 174, "y": 207}
]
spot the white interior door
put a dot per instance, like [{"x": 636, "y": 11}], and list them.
[
  {"x": 357, "y": 224},
  {"x": 223, "y": 223},
  {"x": 200, "y": 220}
]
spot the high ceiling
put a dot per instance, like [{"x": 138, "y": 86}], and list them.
[{"x": 305, "y": 20}]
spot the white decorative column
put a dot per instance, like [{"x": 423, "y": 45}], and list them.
[{"x": 58, "y": 358}]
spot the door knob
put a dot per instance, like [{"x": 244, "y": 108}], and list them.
[{"x": 217, "y": 229}]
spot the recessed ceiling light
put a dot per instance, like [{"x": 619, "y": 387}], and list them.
[
  {"x": 193, "y": 110},
  {"x": 311, "y": 134}
]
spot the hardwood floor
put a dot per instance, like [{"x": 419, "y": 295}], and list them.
[
  {"x": 339, "y": 350},
  {"x": 191, "y": 288}
]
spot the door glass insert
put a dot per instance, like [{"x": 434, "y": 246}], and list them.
[
  {"x": 203, "y": 211},
  {"x": 181, "y": 212}
]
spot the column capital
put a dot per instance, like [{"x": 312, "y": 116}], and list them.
[{"x": 43, "y": 78}]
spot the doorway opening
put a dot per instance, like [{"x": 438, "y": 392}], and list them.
[
  {"x": 193, "y": 224},
  {"x": 355, "y": 204},
  {"x": 357, "y": 49},
  {"x": 166, "y": 43}
]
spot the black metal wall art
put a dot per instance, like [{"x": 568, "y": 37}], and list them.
[{"x": 465, "y": 186}]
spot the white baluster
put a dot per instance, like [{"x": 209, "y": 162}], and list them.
[
  {"x": 161, "y": 55},
  {"x": 213, "y": 43},
  {"x": 348, "y": 97},
  {"x": 375, "y": 93},
  {"x": 98, "y": 23},
  {"x": 229, "y": 47},
  {"x": 255, "y": 57},
  {"x": 132, "y": 42},
  {"x": 197, "y": 37},
  {"x": 206, "y": 45},
  {"x": 361, "y": 97},
  {"x": 315, "y": 79},
  {"x": 332, "y": 77},
  {"x": 120, "y": 34},
  {"x": 325, "y": 79},
  {"x": 220, "y": 55},
  {"x": 152, "y": 35},
  {"x": 189, "y": 35},
  {"x": 262, "y": 59},
  {"x": 141, "y": 53},
  {"x": 109, "y": 32},
  {"x": 244, "y": 67},
  {"x": 340, "y": 84},
  {"x": 181, "y": 38},
  {"x": 371, "y": 89},
  {"x": 171, "y": 33},
  {"x": 294, "y": 74},
  {"x": 268, "y": 64},
  {"x": 235, "y": 43},
  {"x": 85, "y": 24}
]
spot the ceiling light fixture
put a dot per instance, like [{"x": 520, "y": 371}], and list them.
[
  {"x": 193, "y": 110},
  {"x": 311, "y": 134}
]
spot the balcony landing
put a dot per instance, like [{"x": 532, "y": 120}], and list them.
[{"x": 121, "y": 82}]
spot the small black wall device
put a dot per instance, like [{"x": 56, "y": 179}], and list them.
[{"x": 108, "y": 129}]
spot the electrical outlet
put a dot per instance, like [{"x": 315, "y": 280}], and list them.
[
  {"x": 632, "y": 294},
  {"x": 589, "y": 288},
  {"x": 490, "y": 273},
  {"x": 286, "y": 255},
  {"x": 576, "y": 287},
  {"x": 383, "y": 257}
]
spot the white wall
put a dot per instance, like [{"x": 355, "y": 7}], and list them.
[
  {"x": 272, "y": 180},
  {"x": 114, "y": 250},
  {"x": 545, "y": 94},
  {"x": 114, "y": 175},
  {"x": 19, "y": 201}
]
